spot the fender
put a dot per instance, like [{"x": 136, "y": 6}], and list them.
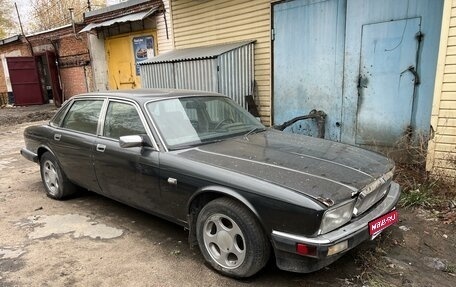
[
  {"x": 47, "y": 149},
  {"x": 220, "y": 190},
  {"x": 224, "y": 191}
]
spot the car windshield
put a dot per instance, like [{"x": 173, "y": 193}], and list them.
[{"x": 191, "y": 121}]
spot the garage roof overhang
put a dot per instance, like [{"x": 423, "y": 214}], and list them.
[
  {"x": 198, "y": 53},
  {"x": 123, "y": 19},
  {"x": 10, "y": 40}
]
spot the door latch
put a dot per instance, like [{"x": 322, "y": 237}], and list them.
[
  {"x": 101, "y": 147},
  {"x": 412, "y": 70}
]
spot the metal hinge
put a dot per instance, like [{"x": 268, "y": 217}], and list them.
[{"x": 272, "y": 34}]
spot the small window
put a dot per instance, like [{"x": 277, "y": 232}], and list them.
[
  {"x": 122, "y": 119},
  {"x": 83, "y": 116},
  {"x": 57, "y": 120}
]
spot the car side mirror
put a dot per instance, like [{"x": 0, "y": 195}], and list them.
[{"x": 132, "y": 141}]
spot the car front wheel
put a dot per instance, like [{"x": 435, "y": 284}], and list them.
[
  {"x": 55, "y": 182},
  {"x": 231, "y": 239}
]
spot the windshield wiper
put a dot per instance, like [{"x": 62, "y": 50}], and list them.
[
  {"x": 191, "y": 145},
  {"x": 252, "y": 131}
]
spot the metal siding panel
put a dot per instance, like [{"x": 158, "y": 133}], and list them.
[
  {"x": 235, "y": 73},
  {"x": 388, "y": 49},
  {"x": 448, "y": 96},
  {"x": 234, "y": 77},
  {"x": 157, "y": 76},
  {"x": 143, "y": 70},
  {"x": 194, "y": 23},
  {"x": 196, "y": 53},
  {"x": 164, "y": 29},
  {"x": 191, "y": 11},
  {"x": 195, "y": 75},
  {"x": 450, "y": 69},
  {"x": 449, "y": 131},
  {"x": 308, "y": 63},
  {"x": 444, "y": 147},
  {"x": 360, "y": 12}
]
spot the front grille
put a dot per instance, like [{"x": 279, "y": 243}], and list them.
[{"x": 372, "y": 193}]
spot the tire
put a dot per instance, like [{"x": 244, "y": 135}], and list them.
[
  {"x": 231, "y": 238},
  {"x": 55, "y": 182}
]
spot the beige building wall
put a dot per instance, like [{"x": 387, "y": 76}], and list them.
[
  {"x": 441, "y": 158},
  {"x": 210, "y": 22},
  {"x": 164, "y": 29}
]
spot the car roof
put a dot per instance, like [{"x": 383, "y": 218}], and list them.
[{"x": 144, "y": 95}]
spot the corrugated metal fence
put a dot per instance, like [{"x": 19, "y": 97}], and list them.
[
  {"x": 226, "y": 69},
  {"x": 236, "y": 73}
]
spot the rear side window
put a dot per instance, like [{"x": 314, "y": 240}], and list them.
[
  {"x": 122, "y": 119},
  {"x": 83, "y": 116},
  {"x": 59, "y": 116}
]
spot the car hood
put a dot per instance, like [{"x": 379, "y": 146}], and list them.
[{"x": 330, "y": 172}]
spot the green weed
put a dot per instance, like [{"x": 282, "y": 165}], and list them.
[
  {"x": 420, "y": 195},
  {"x": 451, "y": 268}
]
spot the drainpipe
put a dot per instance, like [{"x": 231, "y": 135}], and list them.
[
  {"x": 86, "y": 81},
  {"x": 73, "y": 24}
]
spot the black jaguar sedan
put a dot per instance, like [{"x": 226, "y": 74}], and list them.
[{"x": 245, "y": 192}]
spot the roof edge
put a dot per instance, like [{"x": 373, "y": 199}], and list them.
[
  {"x": 210, "y": 55},
  {"x": 49, "y": 30},
  {"x": 115, "y": 7},
  {"x": 10, "y": 39}
]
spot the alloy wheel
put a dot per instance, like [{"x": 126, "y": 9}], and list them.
[
  {"x": 224, "y": 241},
  {"x": 51, "y": 177}
]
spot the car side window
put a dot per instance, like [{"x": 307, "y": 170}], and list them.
[
  {"x": 83, "y": 116},
  {"x": 59, "y": 116},
  {"x": 122, "y": 119}
]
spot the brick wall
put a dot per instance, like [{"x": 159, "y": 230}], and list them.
[
  {"x": 73, "y": 56},
  {"x": 73, "y": 81},
  {"x": 71, "y": 50},
  {"x": 74, "y": 60},
  {"x": 74, "y": 65}
]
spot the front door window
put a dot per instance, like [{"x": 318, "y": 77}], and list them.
[{"x": 122, "y": 119}]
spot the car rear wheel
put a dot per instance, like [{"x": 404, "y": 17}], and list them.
[
  {"x": 55, "y": 182},
  {"x": 231, "y": 239}
]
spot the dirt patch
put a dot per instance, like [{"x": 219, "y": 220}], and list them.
[
  {"x": 419, "y": 251},
  {"x": 76, "y": 225},
  {"x": 18, "y": 115}
]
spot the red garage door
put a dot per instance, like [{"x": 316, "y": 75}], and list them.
[{"x": 25, "y": 81}]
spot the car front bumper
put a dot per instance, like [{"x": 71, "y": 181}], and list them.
[{"x": 353, "y": 233}]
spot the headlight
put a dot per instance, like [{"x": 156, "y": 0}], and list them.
[
  {"x": 372, "y": 193},
  {"x": 336, "y": 217}
]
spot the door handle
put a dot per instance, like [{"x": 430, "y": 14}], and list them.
[
  {"x": 57, "y": 137},
  {"x": 101, "y": 147}
]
